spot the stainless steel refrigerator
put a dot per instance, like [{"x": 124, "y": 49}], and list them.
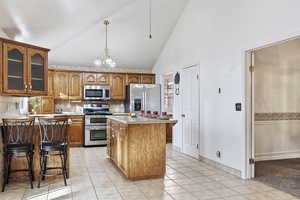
[{"x": 143, "y": 97}]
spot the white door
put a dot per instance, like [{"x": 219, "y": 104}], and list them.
[{"x": 190, "y": 110}]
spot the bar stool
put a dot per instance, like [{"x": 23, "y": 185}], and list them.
[
  {"x": 53, "y": 142},
  {"x": 17, "y": 140}
]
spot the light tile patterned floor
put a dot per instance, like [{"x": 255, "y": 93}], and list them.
[{"x": 93, "y": 177}]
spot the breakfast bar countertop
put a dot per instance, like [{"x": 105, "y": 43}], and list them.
[{"x": 140, "y": 120}]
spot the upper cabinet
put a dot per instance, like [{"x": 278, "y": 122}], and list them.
[
  {"x": 75, "y": 85},
  {"x": 117, "y": 84},
  {"x": 89, "y": 78},
  {"x": 24, "y": 69},
  {"x": 96, "y": 78},
  {"x": 61, "y": 82},
  {"x": 133, "y": 79},
  {"x": 15, "y": 69},
  {"x": 50, "y": 83},
  {"x": 38, "y": 69},
  {"x": 148, "y": 79},
  {"x": 103, "y": 79},
  {"x": 68, "y": 85}
]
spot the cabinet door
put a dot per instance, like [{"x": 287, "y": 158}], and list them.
[
  {"x": 50, "y": 83},
  {"x": 75, "y": 85},
  {"x": 14, "y": 69},
  {"x": 148, "y": 79},
  {"x": 47, "y": 105},
  {"x": 75, "y": 132},
  {"x": 61, "y": 81},
  {"x": 89, "y": 78},
  {"x": 114, "y": 145},
  {"x": 118, "y": 86},
  {"x": 1, "y": 69},
  {"x": 133, "y": 79},
  {"x": 103, "y": 79},
  {"x": 123, "y": 149},
  {"x": 37, "y": 72}
]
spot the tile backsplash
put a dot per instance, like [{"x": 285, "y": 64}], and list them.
[
  {"x": 77, "y": 106},
  {"x": 13, "y": 106}
]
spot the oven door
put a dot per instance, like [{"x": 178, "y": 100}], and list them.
[
  {"x": 95, "y": 135},
  {"x": 93, "y": 120}
]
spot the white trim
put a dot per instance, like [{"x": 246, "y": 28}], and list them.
[{"x": 277, "y": 155}]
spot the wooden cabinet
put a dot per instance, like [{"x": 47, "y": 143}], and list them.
[
  {"x": 50, "y": 83},
  {"x": 148, "y": 79},
  {"x": 133, "y": 79},
  {"x": 61, "y": 83},
  {"x": 41, "y": 105},
  {"x": 15, "y": 70},
  {"x": 25, "y": 69},
  {"x": 47, "y": 105},
  {"x": 118, "y": 86},
  {"x": 89, "y": 78},
  {"x": 75, "y": 131},
  {"x": 122, "y": 138},
  {"x": 102, "y": 79},
  {"x": 75, "y": 85},
  {"x": 37, "y": 72},
  {"x": 114, "y": 142}
]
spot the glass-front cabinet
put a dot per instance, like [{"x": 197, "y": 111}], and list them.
[
  {"x": 37, "y": 65},
  {"x": 14, "y": 69},
  {"x": 24, "y": 70}
]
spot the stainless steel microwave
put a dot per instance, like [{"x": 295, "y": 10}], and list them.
[{"x": 96, "y": 92}]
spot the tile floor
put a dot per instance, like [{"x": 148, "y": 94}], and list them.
[{"x": 93, "y": 177}]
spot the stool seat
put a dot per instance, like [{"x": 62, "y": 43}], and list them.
[
  {"x": 19, "y": 148},
  {"x": 53, "y": 146}
]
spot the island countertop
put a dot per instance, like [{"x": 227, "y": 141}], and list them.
[{"x": 140, "y": 120}]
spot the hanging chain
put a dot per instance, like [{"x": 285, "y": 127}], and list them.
[{"x": 150, "y": 19}]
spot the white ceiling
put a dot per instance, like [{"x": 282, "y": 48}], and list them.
[{"x": 74, "y": 30}]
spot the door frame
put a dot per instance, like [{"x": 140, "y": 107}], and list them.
[
  {"x": 249, "y": 107},
  {"x": 199, "y": 104}
]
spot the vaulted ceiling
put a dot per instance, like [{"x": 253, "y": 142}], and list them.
[{"x": 74, "y": 30}]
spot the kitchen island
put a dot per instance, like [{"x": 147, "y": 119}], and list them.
[{"x": 137, "y": 146}]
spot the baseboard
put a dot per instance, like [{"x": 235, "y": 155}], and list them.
[
  {"x": 218, "y": 165},
  {"x": 277, "y": 155}
]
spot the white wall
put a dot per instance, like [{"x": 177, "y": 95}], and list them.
[
  {"x": 216, "y": 34},
  {"x": 2, "y": 34}
]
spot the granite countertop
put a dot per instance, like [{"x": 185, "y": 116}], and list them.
[{"x": 140, "y": 120}]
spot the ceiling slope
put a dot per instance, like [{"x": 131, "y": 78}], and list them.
[{"x": 75, "y": 33}]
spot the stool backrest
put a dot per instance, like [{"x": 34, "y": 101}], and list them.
[
  {"x": 53, "y": 130},
  {"x": 18, "y": 131}
]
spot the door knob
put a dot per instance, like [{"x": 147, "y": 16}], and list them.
[{"x": 182, "y": 115}]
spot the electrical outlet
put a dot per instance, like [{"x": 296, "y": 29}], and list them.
[{"x": 218, "y": 154}]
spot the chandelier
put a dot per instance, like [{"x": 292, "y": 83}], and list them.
[{"x": 105, "y": 59}]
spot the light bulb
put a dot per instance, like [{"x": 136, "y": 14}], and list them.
[
  {"x": 98, "y": 62},
  {"x": 113, "y": 64}
]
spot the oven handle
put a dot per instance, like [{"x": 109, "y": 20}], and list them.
[{"x": 101, "y": 128}]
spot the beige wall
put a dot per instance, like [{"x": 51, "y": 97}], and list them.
[{"x": 277, "y": 90}]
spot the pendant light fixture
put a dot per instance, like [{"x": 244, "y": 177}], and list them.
[
  {"x": 105, "y": 59},
  {"x": 150, "y": 19}
]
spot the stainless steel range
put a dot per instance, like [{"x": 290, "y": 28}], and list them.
[{"x": 95, "y": 124}]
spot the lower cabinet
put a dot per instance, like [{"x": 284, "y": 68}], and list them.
[{"x": 75, "y": 131}]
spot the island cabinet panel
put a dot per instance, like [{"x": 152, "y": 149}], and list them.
[
  {"x": 61, "y": 82},
  {"x": 133, "y": 79},
  {"x": 103, "y": 79},
  {"x": 75, "y": 131},
  {"x": 75, "y": 85},
  {"x": 138, "y": 150},
  {"x": 148, "y": 79},
  {"x": 117, "y": 84}
]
